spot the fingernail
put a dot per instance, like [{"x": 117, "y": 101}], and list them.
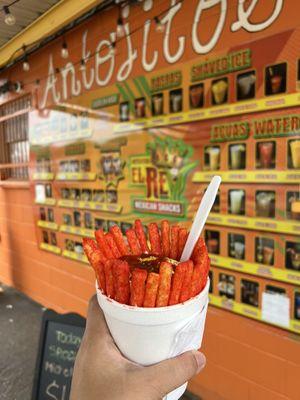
[{"x": 201, "y": 360}]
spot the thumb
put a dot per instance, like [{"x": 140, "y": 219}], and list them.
[{"x": 170, "y": 374}]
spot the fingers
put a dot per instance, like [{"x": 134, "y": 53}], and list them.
[
  {"x": 95, "y": 323},
  {"x": 170, "y": 374},
  {"x": 97, "y": 340}
]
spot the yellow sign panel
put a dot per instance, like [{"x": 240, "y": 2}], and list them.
[
  {"x": 49, "y": 247},
  {"x": 250, "y": 106},
  {"x": 77, "y": 231},
  {"x": 263, "y": 224},
  {"x": 279, "y": 274},
  {"x": 43, "y": 176},
  {"x": 46, "y": 202},
  {"x": 247, "y": 311},
  {"x": 48, "y": 225},
  {"x": 76, "y": 176},
  {"x": 90, "y": 205},
  {"x": 261, "y": 176},
  {"x": 75, "y": 256}
]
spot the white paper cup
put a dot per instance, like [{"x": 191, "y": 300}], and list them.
[{"x": 150, "y": 335}]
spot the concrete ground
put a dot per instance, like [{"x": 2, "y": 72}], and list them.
[{"x": 20, "y": 320}]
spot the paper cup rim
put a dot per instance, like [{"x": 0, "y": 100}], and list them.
[{"x": 157, "y": 310}]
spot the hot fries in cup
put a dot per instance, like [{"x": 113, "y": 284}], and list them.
[
  {"x": 165, "y": 277},
  {"x": 155, "y": 306}
]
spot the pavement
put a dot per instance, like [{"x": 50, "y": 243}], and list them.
[{"x": 20, "y": 321}]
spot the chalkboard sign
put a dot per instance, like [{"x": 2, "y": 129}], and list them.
[{"x": 60, "y": 339}]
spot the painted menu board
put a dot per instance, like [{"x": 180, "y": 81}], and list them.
[
  {"x": 60, "y": 338},
  {"x": 147, "y": 146}
]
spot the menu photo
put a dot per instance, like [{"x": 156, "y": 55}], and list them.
[
  {"x": 140, "y": 107},
  {"x": 237, "y": 201},
  {"x": 249, "y": 292},
  {"x": 196, "y": 93},
  {"x": 293, "y": 205},
  {"x": 297, "y": 306},
  {"x": 212, "y": 239},
  {"x": 237, "y": 156},
  {"x": 276, "y": 79},
  {"x": 124, "y": 111},
  {"x": 226, "y": 286},
  {"x": 293, "y": 155},
  {"x": 265, "y": 249},
  {"x": 236, "y": 246},
  {"x": 219, "y": 91},
  {"x": 293, "y": 255},
  {"x": 298, "y": 75},
  {"x": 212, "y": 158},
  {"x": 211, "y": 283},
  {"x": 266, "y": 155},
  {"x": 176, "y": 101},
  {"x": 245, "y": 85},
  {"x": 157, "y": 104}
]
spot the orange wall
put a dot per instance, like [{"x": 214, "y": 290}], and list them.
[
  {"x": 247, "y": 360},
  {"x": 48, "y": 279}
]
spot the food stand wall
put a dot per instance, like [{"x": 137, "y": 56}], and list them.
[{"x": 145, "y": 144}]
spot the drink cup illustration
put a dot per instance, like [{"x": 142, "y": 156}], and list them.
[
  {"x": 237, "y": 152},
  {"x": 259, "y": 253},
  {"x": 295, "y": 209},
  {"x": 214, "y": 158},
  {"x": 158, "y": 105},
  {"x": 78, "y": 248},
  {"x": 124, "y": 112},
  {"x": 196, "y": 96},
  {"x": 239, "y": 250},
  {"x": 275, "y": 83},
  {"x": 295, "y": 151},
  {"x": 268, "y": 254},
  {"x": 295, "y": 258},
  {"x": 212, "y": 245},
  {"x": 264, "y": 204},
  {"x": 296, "y": 261},
  {"x": 140, "y": 109},
  {"x": 176, "y": 100},
  {"x": 236, "y": 199},
  {"x": 245, "y": 84},
  {"x": 265, "y": 154},
  {"x": 219, "y": 90}
]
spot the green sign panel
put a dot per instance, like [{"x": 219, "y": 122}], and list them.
[
  {"x": 166, "y": 81},
  {"x": 283, "y": 125},
  {"x": 229, "y": 132},
  {"x": 75, "y": 149},
  {"x": 222, "y": 65},
  {"x": 106, "y": 101}
]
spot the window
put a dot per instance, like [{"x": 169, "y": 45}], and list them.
[{"x": 14, "y": 145}]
